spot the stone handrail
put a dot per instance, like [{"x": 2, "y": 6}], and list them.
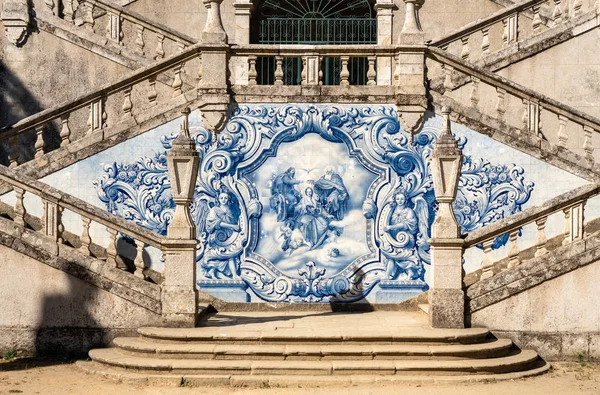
[
  {"x": 533, "y": 103},
  {"x": 571, "y": 204},
  {"x": 113, "y": 99},
  {"x": 91, "y": 11},
  {"x": 514, "y": 30},
  {"x": 55, "y": 202}
]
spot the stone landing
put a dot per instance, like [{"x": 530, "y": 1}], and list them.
[{"x": 301, "y": 348}]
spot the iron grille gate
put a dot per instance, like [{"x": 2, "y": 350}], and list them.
[{"x": 313, "y": 22}]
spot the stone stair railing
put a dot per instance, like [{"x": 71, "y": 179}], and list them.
[
  {"x": 104, "y": 113},
  {"x": 123, "y": 27},
  {"x": 480, "y": 38},
  {"x": 570, "y": 204},
  {"x": 538, "y": 118},
  {"x": 55, "y": 202}
]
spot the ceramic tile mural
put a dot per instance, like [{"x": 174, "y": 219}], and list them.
[{"x": 313, "y": 203}]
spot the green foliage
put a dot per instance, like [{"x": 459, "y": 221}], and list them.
[
  {"x": 10, "y": 355},
  {"x": 15, "y": 392},
  {"x": 185, "y": 382}
]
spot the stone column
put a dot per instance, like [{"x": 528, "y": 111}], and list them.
[
  {"x": 15, "y": 18},
  {"x": 446, "y": 295},
  {"x": 243, "y": 12},
  {"x": 179, "y": 295},
  {"x": 385, "y": 36}
]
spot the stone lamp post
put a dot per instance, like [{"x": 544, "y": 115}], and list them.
[
  {"x": 179, "y": 295},
  {"x": 446, "y": 295}
]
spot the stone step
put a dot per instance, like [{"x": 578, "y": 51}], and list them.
[
  {"x": 144, "y": 348},
  {"x": 265, "y": 381},
  {"x": 354, "y": 335},
  {"x": 114, "y": 358}
]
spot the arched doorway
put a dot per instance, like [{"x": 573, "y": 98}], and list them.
[{"x": 313, "y": 22}]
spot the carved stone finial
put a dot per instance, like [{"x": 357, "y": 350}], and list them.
[
  {"x": 213, "y": 32},
  {"x": 185, "y": 123},
  {"x": 412, "y": 33}
]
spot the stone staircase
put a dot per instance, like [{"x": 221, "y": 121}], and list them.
[{"x": 279, "y": 348}]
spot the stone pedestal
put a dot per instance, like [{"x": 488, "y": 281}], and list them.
[
  {"x": 446, "y": 296},
  {"x": 179, "y": 295},
  {"x": 213, "y": 32},
  {"x": 411, "y": 33}
]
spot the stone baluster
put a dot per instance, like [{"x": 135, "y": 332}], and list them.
[
  {"x": 577, "y": 5},
  {"x": 85, "y": 238},
  {"x": 39, "y": 141},
  {"x": 465, "y": 52},
  {"x": 345, "y": 73},
  {"x": 474, "y": 92},
  {"x": 588, "y": 147},
  {"x": 61, "y": 227},
  {"x": 139, "y": 40},
  {"x": 177, "y": 82},
  {"x": 505, "y": 32},
  {"x": 371, "y": 73},
  {"x": 279, "y": 70},
  {"x": 114, "y": 29},
  {"x": 111, "y": 249},
  {"x": 557, "y": 13},
  {"x": 563, "y": 137},
  {"x": 160, "y": 47},
  {"x": 446, "y": 295},
  {"x": 152, "y": 95},
  {"x": 13, "y": 152},
  {"x": 487, "y": 265},
  {"x": 179, "y": 295},
  {"x": 65, "y": 131},
  {"x": 541, "y": 236},
  {"x": 139, "y": 259},
  {"x": 448, "y": 84},
  {"x": 513, "y": 249},
  {"x": 97, "y": 117},
  {"x": 20, "y": 211},
  {"x": 88, "y": 16},
  {"x": 181, "y": 46},
  {"x": 574, "y": 223},
  {"x": 68, "y": 11},
  {"x": 566, "y": 10},
  {"x": 485, "y": 41},
  {"x": 127, "y": 103},
  {"x": 567, "y": 227},
  {"x": 320, "y": 61},
  {"x": 501, "y": 104},
  {"x": 50, "y": 5},
  {"x": 537, "y": 20},
  {"x": 525, "y": 116},
  {"x": 51, "y": 220},
  {"x": 252, "y": 73}
]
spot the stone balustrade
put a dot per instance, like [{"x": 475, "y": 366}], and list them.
[
  {"x": 104, "y": 113},
  {"x": 571, "y": 204},
  {"x": 510, "y": 26},
  {"x": 314, "y": 64},
  {"x": 535, "y": 115},
  {"x": 135, "y": 32},
  {"x": 55, "y": 203}
]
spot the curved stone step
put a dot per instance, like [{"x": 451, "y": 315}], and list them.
[
  {"x": 303, "y": 336},
  {"x": 144, "y": 348},
  {"x": 287, "y": 381},
  {"x": 114, "y": 358}
]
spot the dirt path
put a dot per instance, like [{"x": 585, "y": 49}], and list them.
[{"x": 52, "y": 377}]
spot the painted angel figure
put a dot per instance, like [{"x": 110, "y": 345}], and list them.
[
  {"x": 403, "y": 225},
  {"x": 222, "y": 226}
]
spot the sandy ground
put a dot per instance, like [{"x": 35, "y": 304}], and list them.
[{"x": 55, "y": 377}]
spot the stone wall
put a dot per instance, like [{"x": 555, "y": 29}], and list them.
[
  {"x": 47, "y": 311},
  {"x": 558, "y": 318}
]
